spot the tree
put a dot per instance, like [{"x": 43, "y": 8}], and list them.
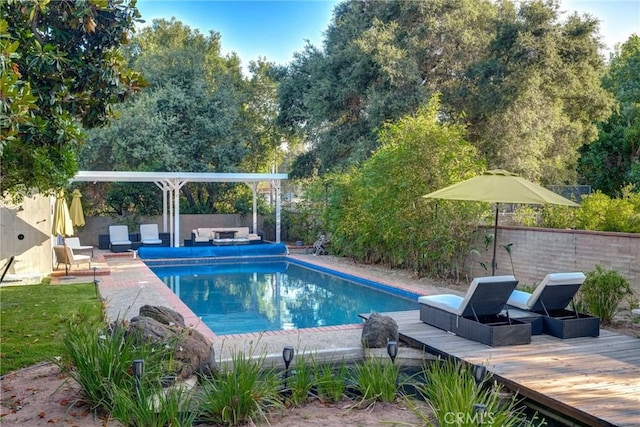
[
  {"x": 375, "y": 213},
  {"x": 535, "y": 98},
  {"x": 613, "y": 161},
  {"x": 63, "y": 71},
  {"x": 198, "y": 114},
  {"x": 526, "y": 84}
]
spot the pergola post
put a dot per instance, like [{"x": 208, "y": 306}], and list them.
[
  {"x": 254, "y": 189},
  {"x": 163, "y": 186},
  {"x": 276, "y": 183},
  {"x": 176, "y": 185}
]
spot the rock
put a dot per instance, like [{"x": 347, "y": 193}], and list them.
[
  {"x": 192, "y": 350},
  {"x": 163, "y": 315},
  {"x": 378, "y": 330}
]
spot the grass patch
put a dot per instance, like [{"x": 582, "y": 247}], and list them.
[{"x": 33, "y": 319}]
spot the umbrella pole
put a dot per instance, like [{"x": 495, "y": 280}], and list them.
[
  {"x": 494, "y": 263},
  {"x": 66, "y": 266}
]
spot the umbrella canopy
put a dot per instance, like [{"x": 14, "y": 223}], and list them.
[
  {"x": 499, "y": 186},
  {"x": 62, "y": 224},
  {"x": 77, "y": 215}
]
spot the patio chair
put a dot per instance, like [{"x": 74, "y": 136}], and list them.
[
  {"x": 551, "y": 300},
  {"x": 479, "y": 314},
  {"x": 119, "y": 238},
  {"x": 149, "y": 235},
  {"x": 65, "y": 255},
  {"x": 74, "y": 243}
]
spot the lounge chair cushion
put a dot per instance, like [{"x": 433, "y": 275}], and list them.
[
  {"x": 554, "y": 292},
  {"x": 241, "y": 234},
  {"x": 485, "y": 296},
  {"x": 149, "y": 234},
  {"x": 119, "y": 235}
]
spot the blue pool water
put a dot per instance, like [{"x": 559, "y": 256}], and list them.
[{"x": 277, "y": 295}]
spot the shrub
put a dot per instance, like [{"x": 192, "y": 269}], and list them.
[
  {"x": 376, "y": 380},
  {"x": 602, "y": 292},
  {"x": 453, "y": 395},
  {"x": 150, "y": 405},
  {"x": 100, "y": 361},
  {"x": 559, "y": 216},
  {"x": 526, "y": 215},
  {"x": 375, "y": 213},
  {"x": 331, "y": 381},
  {"x": 242, "y": 394},
  {"x": 301, "y": 381}
]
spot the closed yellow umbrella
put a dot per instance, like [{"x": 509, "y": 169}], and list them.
[
  {"x": 62, "y": 225},
  {"x": 500, "y": 186},
  {"x": 77, "y": 215}
]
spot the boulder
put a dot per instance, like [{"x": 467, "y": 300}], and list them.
[
  {"x": 378, "y": 330},
  {"x": 163, "y": 315},
  {"x": 192, "y": 350}
]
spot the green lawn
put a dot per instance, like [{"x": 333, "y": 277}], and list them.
[{"x": 32, "y": 320}]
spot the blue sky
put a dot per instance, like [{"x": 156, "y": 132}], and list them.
[
  {"x": 277, "y": 29},
  {"x": 271, "y": 29}
]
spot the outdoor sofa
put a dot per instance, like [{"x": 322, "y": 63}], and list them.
[{"x": 223, "y": 235}]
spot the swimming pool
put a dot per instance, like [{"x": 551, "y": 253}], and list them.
[{"x": 255, "y": 296}]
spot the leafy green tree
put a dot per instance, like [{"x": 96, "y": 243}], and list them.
[
  {"x": 535, "y": 98},
  {"x": 198, "y": 114},
  {"x": 62, "y": 71},
  {"x": 613, "y": 160},
  {"x": 376, "y": 214},
  {"x": 527, "y": 85},
  {"x": 264, "y": 138}
]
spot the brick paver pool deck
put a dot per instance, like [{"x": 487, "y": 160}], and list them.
[{"x": 130, "y": 284}]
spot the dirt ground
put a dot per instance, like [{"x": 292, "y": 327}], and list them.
[{"x": 41, "y": 395}]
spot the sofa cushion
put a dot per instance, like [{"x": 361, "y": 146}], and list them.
[
  {"x": 204, "y": 232},
  {"x": 242, "y": 232}
]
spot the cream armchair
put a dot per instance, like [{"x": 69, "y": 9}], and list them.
[{"x": 65, "y": 255}]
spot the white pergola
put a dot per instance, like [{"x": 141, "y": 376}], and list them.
[{"x": 171, "y": 182}]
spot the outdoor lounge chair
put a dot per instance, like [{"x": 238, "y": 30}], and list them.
[
  {"x": 65, "y": 255},
  {"x": 149, "y": 235},
  {"x": 550, "y": 300},
  {"x": 119, "y": 238},
  {"x": 479, "y": 314}
]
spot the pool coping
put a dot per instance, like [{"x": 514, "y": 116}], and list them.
[{"x": 131, "y": 284}]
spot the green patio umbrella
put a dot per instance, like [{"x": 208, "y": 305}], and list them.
[
  {"x": 77, "y": 215},
  {"x": 499, "y": 186},
  {"x": 62, "y": 224}
]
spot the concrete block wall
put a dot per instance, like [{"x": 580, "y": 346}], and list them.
[
  {"x": 25, "y": 233},
  {"x": 539, "y": 251}
]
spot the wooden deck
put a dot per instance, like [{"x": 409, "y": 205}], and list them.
[{"x": 595, "y": 381}]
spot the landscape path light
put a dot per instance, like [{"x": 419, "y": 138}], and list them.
[
  {"x": 137, "y": 367},
  {"x": 392, "y": 350},
  {"x": 287, "y": 356}
]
